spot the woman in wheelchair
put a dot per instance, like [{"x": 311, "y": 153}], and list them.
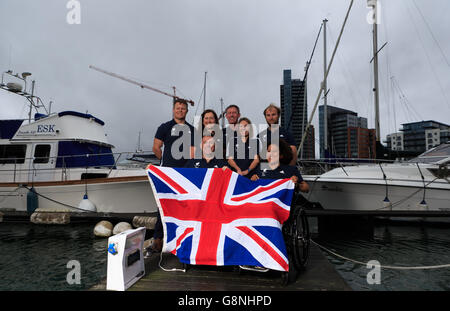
[
  {"x": 277, "y": 166},
  {"x": 296, "y": 228}
]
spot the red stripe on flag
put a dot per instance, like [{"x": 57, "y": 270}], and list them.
[
  {"x": 273, "y": 253},
  {"x": 211, "y": 226},
  {"x": 167, "y": 179},
  {"x": 181, "y": 238},
  {"x": 208, "y": 242},
  {"x": 259, "y": 190}
]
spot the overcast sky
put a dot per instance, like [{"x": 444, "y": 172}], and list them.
[{"x": 244, "y": 45}]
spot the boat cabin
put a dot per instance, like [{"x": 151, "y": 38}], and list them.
[{"x": 51, "y": 144}]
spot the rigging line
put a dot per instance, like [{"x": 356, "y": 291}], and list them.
[
  {"x": 394, "y": 204},
  {"x": 305, "y": 75},
  {"x": 54, "y": 201},
  {"x": 428, "y": 57},
  {"x": 198, "y": 103},
  {"x": 381, "y": 266},
  {"x": 432, "y": 34},
  {"x": 404, "y": 101},
  {"x": 343, "y": 63},
  {"x": 388, "y": 86},
  {"x": 393, "y": 106},
  {"x": 407, "y": 101}
]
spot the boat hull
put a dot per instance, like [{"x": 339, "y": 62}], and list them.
[
  {"x": 110, "y": 195},
  {"x": 359, "y": 196},
  {"x": 344, "y": 196}
]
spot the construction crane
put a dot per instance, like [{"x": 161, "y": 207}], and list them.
[{"x": 176, "y": 98}]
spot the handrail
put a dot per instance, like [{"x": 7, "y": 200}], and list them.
[{"x": 24, "y": 165}]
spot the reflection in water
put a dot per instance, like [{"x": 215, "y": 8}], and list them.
[{"x": 395, "y": 246}]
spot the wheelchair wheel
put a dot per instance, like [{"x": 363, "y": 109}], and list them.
[
  {"x": 291, "y": 275},
  {"x": 301, "y": 240}
]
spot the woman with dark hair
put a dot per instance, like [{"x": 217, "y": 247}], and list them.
[
  {"x": 209, "y": 119},
  {"x": 242, "y": 153},
  {"x": 208, "y": 159},
  {"x": 278, "y": 158},
  {"x": 209, "y": 126}
]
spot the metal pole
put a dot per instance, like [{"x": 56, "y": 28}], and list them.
[
  {"x": 328, "y": 71},
  {"x": 304, "y": 105},
  {"x": 375, "y": 71},
  {"x": 32, "y": 103},
  {"x": 325, "y": 113},
  {"x": 204, "y": 93},
  {"x": 221, "y": 113}
]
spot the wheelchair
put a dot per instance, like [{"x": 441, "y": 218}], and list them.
[{"x": 297, "y": 237}]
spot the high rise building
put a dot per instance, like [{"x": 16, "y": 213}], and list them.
[
  {"x": 424, "y": 135},
  {"x": 394, "y": 141},
  {"x": 348, "y": 136},
  {"x": 361, "y": 143},
  {"x": 294, "y": 112}
]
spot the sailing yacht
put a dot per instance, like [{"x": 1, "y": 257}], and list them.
[{"x": 421, "y": 184}]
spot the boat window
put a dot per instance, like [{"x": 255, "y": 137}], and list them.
[
  {"x": 436, "y": 154},
  {"x": 93, "y": 175},
  {"x": 12, "y": 154},
  {"x": 41, "y": 154}
]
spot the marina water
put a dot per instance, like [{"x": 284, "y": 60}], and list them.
[
  {"x": 394, "y": 244},
  {"x": 35, "y": 257}
]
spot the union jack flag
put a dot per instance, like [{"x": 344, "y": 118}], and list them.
[{"x": 216, "y": 217}]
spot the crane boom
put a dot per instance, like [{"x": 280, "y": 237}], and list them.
[{"x": 141, "y": 85}]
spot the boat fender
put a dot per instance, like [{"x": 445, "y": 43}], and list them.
[
  {"x": 86, "y": 205},
  {"x": 32, "y": 200},
  {"x": 423, "y": 205},
  {"x": 387, "y": 203}
]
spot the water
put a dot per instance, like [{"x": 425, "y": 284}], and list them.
[
  {"x": 35, "y": 257},
  {"x": 394, "y": 245}
]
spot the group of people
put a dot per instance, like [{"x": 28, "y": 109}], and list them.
[{"x": 272, "y": 154}]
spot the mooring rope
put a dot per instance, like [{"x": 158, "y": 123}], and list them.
[
  {"x": 57, "y": 202},
  {"x": 382, "y": 266}
]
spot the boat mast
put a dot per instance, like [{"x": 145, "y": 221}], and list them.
[
  {"x": 204, "y": 93},
  {"x": 325, "y": 114},
  {"x": 222, "y": 113},
  {"x": 326, "y": 75},
  {"x": 373, "y": 4}
]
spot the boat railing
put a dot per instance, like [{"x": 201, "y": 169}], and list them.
[
  {"x": 320, "y": 166},
  {"x": 24, "y": 165}
]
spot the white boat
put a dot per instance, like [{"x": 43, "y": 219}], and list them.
[
  {"x": 421, "y": 184},
  {"x": 63, "y": 157}
]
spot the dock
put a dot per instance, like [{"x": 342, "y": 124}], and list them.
[{"x": 319, "y": 275}]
